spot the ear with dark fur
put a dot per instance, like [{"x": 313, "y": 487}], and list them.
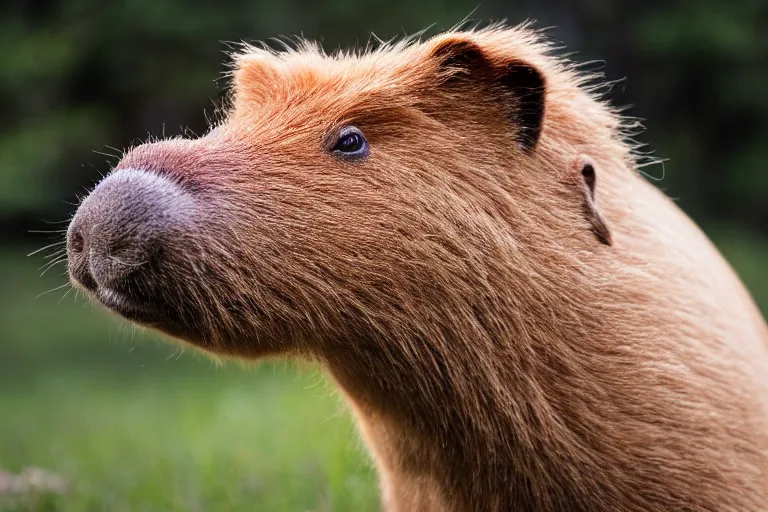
[
  {"x": 582, "y": 175},
  {"x": 523, "y": 85}
]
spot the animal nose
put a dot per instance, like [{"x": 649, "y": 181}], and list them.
[{"x": 118, "y": 236}]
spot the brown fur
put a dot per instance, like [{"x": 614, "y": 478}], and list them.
[{"x": 497, "y": 355}]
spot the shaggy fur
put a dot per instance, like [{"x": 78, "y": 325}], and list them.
[{"x": 510, "y": 334}]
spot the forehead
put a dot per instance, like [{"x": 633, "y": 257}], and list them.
[{"x": 308, "y": 82}]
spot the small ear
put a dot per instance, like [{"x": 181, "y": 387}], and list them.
[
  {"x": 583, "y": 174},
  {"x": 523, "y": 85},
  {"x": 527, "y": 85},
  {"x": 461, "y": 55},
  {"x": 255, "y": 75}
]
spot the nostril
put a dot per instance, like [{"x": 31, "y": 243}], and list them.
[
  {"x": 76, "y": 242},
  {"x": 116, "y": 240},
  {"x": 77, "y": 248}
]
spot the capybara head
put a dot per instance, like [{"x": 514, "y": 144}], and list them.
[{"x": 345, "y": 198}]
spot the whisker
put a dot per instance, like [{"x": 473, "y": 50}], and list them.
[
  {"x": 119, "y": 152},
  {"x": 108, "y": 155},
  {"x": 58, "y": 259},
  {"x": 50, "y": 265},
  {"x": 61, "y": 248},
  {"x": 44, "y": 248},
  {"x": 44, "y": 270},
  {"x": 65, "y": 294},
  {"x": 97, "y": 170},
  {"x": 52, "y": 290},
  {"x": 46, "y": 232},
  {"x": 54, "y": 254}
]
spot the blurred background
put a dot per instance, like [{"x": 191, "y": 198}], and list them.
[{"x": 119, "y": 419}]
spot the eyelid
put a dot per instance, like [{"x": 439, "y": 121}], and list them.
[
  {"x": 355, "y": 155},
  {"x": 331, "y": 136},
  {"x": 346, "y": 130},
  {"x": 338, "y": 129}
]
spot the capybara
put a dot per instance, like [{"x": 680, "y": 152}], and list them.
[{"x": 456, "y": 230}]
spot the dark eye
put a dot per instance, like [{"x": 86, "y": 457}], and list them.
[{"x": 351, "y": 143}]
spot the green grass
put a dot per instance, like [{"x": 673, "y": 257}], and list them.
[
  {"x": 135, "y": 426},
  {"x": 202, "y": 440}
]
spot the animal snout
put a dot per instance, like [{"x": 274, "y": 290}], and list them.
[{"x": 118, "y": 240}]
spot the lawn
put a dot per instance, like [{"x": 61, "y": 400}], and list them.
[{"x": 185, "y": 440}]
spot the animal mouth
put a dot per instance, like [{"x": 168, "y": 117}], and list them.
[
  {"x": 152, "y": 312},
  {"x": 136, "y": 309}
]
